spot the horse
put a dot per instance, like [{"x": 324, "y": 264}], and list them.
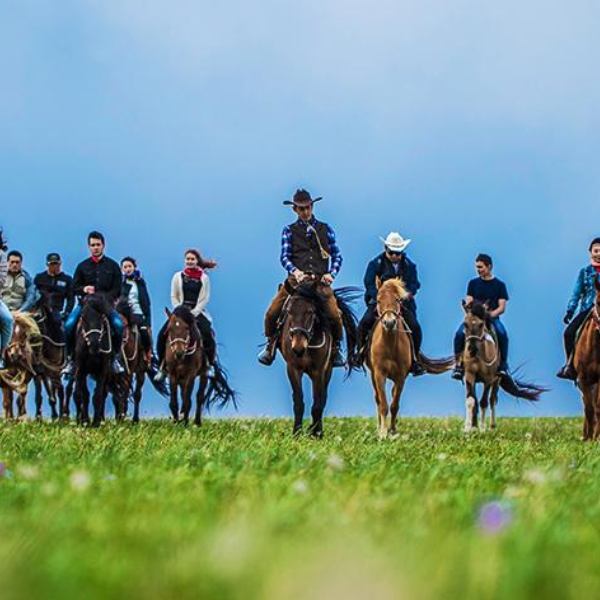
[
  {"x": 20, "y": 358},
  {"x": 93, "y": 357},
  {"x": 587, "y": 365},
  {"x": 185, "y": 361},
  {"x": 50, "y": 363},
  {"x": 306, "y": 344},
  {"x": 481, "y": 359},
  {"x": 136, "y": 366},
  {"x": 390, "y": 355}
]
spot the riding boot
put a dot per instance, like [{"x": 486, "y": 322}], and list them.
[
  {"x": 459, "y": 370},
  {"x": 417, "y": 368},
  {"x": 268, "y": 353},
  {"x": 338, "y": 358},
  {"x": 568, "y": 371}
]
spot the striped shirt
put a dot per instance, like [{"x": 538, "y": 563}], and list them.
[
  {"x": 286, "y": 248},
  {"x": 3, "y": 267}
]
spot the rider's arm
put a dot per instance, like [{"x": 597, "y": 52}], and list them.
[
  {"x": 203, "y": 297},
  {"x": 500, "y": 310},
  {"x": 3, "y": 267},
  {"x": 69, "y": 296},
  {"x": 370, "y": 282},
  {"x": 334, "y": 250},
  {"x": 412, "y": 281},
  {"x": 286, "y": 250},
  {"x": 78, "y": 283},
  {"x": 31, "y": 294},
  {"x": 176, "y": 290},
  {"x": 577, "y": 294}
]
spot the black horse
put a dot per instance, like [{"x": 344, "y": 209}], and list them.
[{"x": 93, "y": 357}]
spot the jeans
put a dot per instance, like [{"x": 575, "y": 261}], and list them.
[
  {"x": 114, "y": 318},
  {"x": 459, "y": 340},
  {"x": 6, "y": 326}
]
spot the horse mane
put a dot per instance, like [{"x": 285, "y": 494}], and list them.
[
  {"x": 479, "y": 310},
  {"x": 98, "y": 303},
  {"x": 27, "y": 323},
  {"x": 185, "y": 314},
  {"x": 395, "y": 286}
]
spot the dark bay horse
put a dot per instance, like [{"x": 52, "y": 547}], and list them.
[
  {"x": 481, "y": 359},
  {"x": 136, "y": 366},
  {"x": 587, "y": 365},
  {"x": 306, "y": 345},
  {"x": 50, "y": 362},
  {"x": 185, "y": 362},
  {"x": 390, "y": 355},
  {"x": 93, "y": 358}
]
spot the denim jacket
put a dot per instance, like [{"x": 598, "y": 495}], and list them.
[{"x": 584, "y": 292}]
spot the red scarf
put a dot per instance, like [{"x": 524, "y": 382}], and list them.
[
  {"x": 96, "y": 259},
  {"x": 193, "y": 273},
  {"x": 596, "y": 266}
]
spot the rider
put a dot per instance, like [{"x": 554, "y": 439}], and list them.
[
  {"x": 18, "y": 291},
  {"x": 583, "y": 297},
  {"x": 392, "y": 263},
  {"x": 98, "y": 274},
  {"x": 308, "y": 251},
  {"x": 135, "y": 292},
  {"x": 6, "y": 318},
  {"x": 489, "y": 290},
  {"x": 191, "y": 288}
]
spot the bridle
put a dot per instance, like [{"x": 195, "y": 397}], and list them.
[
  {"x": 481, "y": 338},
  {"x": 305, "y": 331},
  {"x": 185, "y": 341},
  {"x": 87, "y": 333}
]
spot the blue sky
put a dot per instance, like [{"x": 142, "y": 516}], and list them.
[{"x": 466, "y": 126}]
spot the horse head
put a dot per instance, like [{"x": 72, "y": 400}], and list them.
[
  {"x": 95, "y": 325},
  {"x": 302, "y": 318},
  {"x": 389, "y": 303},
  {"x": 476, "y": 320},
  {"x": 179, "y": 331}
]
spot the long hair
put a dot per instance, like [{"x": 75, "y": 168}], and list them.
[{"x": 203, "y": 263}]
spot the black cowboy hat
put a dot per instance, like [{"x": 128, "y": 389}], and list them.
[{"x": 302, "y": 198}]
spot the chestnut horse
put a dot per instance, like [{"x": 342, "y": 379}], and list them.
[
  {"x": 306, "y": 345},
  {"x": 185, "y": 362},
  {"x": 481, "y": 359},
  {"x": 587, "y": 364},
  {"x": 390, "y": 355}
]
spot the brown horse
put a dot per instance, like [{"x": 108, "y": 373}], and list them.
[
  {"x": 21, "y": 356},
  {"x": 306, "y": 345},
  {"x": 49, "y": 364},
  {"x": 185, "y": 362},
  {"x": 587, "y": 364},
  {"x": 390, "y": 355},
  {"x": 481, "y": 359}
]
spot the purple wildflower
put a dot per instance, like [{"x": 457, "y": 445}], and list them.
[{"x": 494, "y": 517}]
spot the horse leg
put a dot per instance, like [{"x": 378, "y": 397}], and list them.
[
  {"x": 200, "y": 397},
  {"x": 596, "y": 394},
  {"x": 395, "y": 404},
  {"x": 470, "y": 405},
  {"x": 320, "y": 384},
  {"x": 7, "y": 401},
  {"x": 98, "y": 400},
  {"x": 483, "y": 404},
  {"x": 295, "y": 377},
  {"x": 173, "y": 405},
  {"x": 493, "y": 402},
  {"x": 22, "y": 406},
  {"x": 186, "y": 397},
  {"x": 379, "y": 381},
  {"x": 589, "y": 410},
  {"x": 137, "y": 395},
  {"x": 51, "y": 389},
  {"x": 37, "y": 384},
  {"x": 67, "y": 395}
]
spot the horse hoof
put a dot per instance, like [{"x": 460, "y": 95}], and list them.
[
  {"x": 297, "y": 432},
  {"x": 393, "y": 435}
]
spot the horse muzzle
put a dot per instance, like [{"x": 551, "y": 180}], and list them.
[{"x": 390, "y": 323}]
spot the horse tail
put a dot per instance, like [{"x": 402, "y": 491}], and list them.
[
  {"x": 436, "y": 366},
  {"x": 219, "y": 391},
  {"x": 521, "y": 389},
  {"x": 344, "y": 297}
]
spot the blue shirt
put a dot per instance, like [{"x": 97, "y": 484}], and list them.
[{"x": 584, "y": 292}]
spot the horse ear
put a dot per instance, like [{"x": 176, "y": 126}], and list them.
[
  {"x": 466, "y": 307},
  {"x": 377, "y": 282},
  {"x": 168, "y": 313}
]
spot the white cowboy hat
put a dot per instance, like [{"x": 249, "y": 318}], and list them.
[{"x": 395, "y": 242}]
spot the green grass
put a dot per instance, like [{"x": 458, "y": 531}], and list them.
[{"x": 239, "y": 509}]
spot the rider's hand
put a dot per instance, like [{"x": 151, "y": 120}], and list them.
[
  {"x": 568, "y": 317},
  {"x": 327, "y": 279},
  {"x": 3, "y": 245},
  {"x": 298, "y": 275},
  {"x": 89, "y": 289}
]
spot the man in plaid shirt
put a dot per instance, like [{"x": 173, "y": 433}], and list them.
[{"x": 308, "y": 251}]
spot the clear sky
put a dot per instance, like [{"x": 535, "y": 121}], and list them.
[{"x": 467, "y": 126}]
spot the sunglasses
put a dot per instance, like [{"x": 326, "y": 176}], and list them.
[{"x": 391, "y": 253}]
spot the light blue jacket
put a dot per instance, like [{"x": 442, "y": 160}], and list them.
[{"x": 584, "y": 292}]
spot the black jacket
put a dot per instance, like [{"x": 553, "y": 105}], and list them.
[
  {"x": 144, "y": 297},
  {"x": 57, "y": 291},
  {"x": 381, "y": 267},
  {"x": 105, "y": 276}
]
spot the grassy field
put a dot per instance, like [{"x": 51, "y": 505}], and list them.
[{"x": 239, "y": 509}]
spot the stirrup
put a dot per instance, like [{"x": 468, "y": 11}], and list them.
[
  {"x": 338, "y": 360},
  {"x": 567, "y": 372},
  {"x": 458, "y": 373}
]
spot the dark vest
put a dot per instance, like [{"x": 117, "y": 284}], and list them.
[{"x": 306, "y": 254}]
